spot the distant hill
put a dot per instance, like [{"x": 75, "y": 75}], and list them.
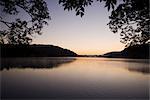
[
  {"x": 136, "y": 51},
  {"x": 8, "y": 50}
]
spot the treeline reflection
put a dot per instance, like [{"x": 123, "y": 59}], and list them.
[
  {"x": 34, "y": 62},
  {"x": 144, "y": 70}
]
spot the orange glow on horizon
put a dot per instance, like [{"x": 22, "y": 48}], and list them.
[{"x": 98, "y": 51}]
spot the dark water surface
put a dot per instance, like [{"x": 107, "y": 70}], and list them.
[{"x": 60, "y": 77}]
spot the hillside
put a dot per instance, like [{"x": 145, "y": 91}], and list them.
[
  {"x": 137, "y": 51},
  {"x": 35, "y": 51}
]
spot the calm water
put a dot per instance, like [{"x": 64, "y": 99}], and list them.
[{"x": 102, "y": 78}]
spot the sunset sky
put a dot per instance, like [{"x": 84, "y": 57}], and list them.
[{"x": 87, "y": 35}]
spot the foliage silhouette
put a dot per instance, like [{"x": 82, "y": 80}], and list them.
[
  {"x": 130, "y": 17},
  {"x": 21, "y": 31}
]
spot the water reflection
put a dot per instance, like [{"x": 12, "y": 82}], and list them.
[
  {"x": 100, "y": 78},
  {"x": 144, "y": 70},
  {"x": 34, "y": 62},
  {"x": 135, "y": 65}
]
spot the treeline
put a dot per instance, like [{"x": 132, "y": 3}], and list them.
[
  {"x": 136, "y": 51},
  {"x": 8, "y": 50}
]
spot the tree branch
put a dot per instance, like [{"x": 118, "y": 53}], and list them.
[{"x": 6, "y": 23}]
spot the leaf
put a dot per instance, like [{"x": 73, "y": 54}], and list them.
[
  {"x": 82, "y": 14},
  {"x": 59, "y": 1},
  {"x": 77, "y": 13},
  {"x": 82, "y": 9}
]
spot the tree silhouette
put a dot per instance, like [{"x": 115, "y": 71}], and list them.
[
  {"x": 21, "y": 31},
  {"x": 130, "y": 17}
]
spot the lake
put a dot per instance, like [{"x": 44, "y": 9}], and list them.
[{"x": 81, "y": 77}]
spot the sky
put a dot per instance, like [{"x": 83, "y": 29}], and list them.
[{"x": 89, "y": 35}]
